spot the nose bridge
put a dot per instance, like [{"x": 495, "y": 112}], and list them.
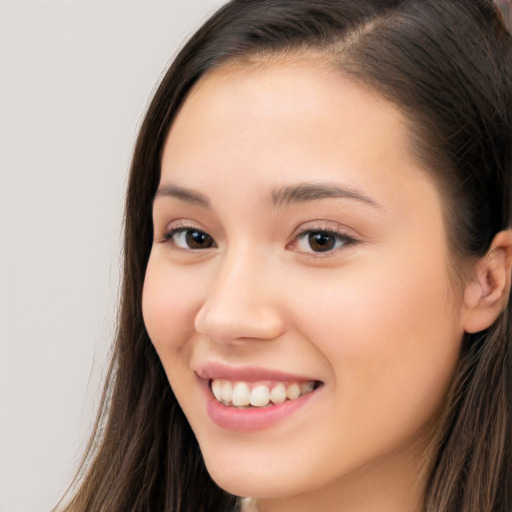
[{"x": 240, "y": 302}]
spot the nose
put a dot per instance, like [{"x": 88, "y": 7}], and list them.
[{"x": 240, "y": 303}]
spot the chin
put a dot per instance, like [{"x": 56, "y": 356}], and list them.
[
  {"x": 241, "y": 484},
  {"x": 259, "y": 479}
]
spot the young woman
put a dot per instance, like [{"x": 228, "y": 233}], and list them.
[{"x": 315, "y": 307}]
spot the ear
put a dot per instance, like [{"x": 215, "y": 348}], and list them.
[{"x": 487, "y": 292}]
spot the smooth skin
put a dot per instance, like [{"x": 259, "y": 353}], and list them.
[{"x": 348, "y": 282}]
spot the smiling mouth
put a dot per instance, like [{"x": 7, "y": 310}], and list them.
[{"x": 247, "y": 395}]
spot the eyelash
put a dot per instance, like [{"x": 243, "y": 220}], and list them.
[
  {"x": 168, "y": 237},
  {"x": 342, "y": 239},
  {"x": 346, "y": 240}
]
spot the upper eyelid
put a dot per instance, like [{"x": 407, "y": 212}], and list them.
[
  {"x": 327, "y": 226},
  {"x": 183, "y": 224},
  {"x": 333, "y": 232},
  {"x": 180, "y": 229}
]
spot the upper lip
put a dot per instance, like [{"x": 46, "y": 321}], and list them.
[{"x": 216, "y": 370}]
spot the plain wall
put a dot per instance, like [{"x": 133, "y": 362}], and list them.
[{"x": 75, "y": 78}]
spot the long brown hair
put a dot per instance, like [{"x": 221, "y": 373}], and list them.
[{"x": 447, "y": 65}]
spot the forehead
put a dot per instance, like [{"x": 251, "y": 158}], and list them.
[
  {"x": 287, "y": 122},
  {"x": 284, "y": 90},
  {"x": 300, "y": 97}
]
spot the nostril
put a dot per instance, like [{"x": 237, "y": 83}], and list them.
[{"x": 235, "y": 321}]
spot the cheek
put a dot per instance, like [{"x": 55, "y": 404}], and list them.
[
  {"x": 390, "y": 335},
  {"x": 168, "y": 306},
  {"x": 170, "y": 301}
]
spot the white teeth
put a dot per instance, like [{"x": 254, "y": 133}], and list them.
[
  {"x": 240, "y": 394},
  {"x": 293, "y": 391},
  {"x": 226, "y": 391},
  {"x": 306, "y": 387},
  {"x": 216, "y": 387},
  {"x": 278, "y": 394},
  {"x": 260, "y": 396}
]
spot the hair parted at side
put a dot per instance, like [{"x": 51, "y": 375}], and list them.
[{"x": 447, "y": 65}]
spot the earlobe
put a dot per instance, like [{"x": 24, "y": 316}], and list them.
[{"x": 487, "y": 293}]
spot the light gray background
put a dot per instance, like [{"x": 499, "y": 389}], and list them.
[{"x": 75, "y": 78}]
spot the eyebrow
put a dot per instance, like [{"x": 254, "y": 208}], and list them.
[
  {"x": 280, "y": 197},
  {"x": 183, "y": 194},
  {"x": 303, "y": 192}
]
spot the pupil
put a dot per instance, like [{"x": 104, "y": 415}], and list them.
[
  {"x": 198, "y": 240},
  {"x": 321, "y": 242}
]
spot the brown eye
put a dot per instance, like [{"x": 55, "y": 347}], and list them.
[
  {"x": 321, "y": 241},
  {"x": 189, "y": 239},
  {"x": 197, "y": 239}
]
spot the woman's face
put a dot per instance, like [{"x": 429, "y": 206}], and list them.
[{"x": 299, "y": 248}]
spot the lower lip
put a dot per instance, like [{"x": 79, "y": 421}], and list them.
[{"x": 257, "y": 418}]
